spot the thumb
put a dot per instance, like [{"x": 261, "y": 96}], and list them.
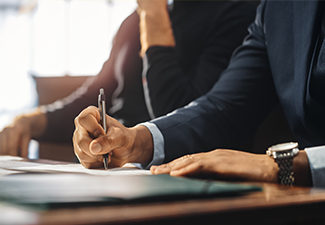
[
  {"x": 101, "y": 145},
  {"x": 113, "y": 139},
  {"x": 96, "y": 147}
]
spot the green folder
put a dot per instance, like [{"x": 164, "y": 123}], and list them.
[{"x": 64, "y": 190}]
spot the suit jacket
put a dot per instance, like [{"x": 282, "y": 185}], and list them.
[{"x": 273, "y": 65}]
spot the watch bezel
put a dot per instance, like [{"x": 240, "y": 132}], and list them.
[
  {"x": 283, "y": 150},
  {"x": 283, "y": 146}
]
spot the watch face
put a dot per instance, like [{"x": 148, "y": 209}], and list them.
[{"x": 284, "y": 146}]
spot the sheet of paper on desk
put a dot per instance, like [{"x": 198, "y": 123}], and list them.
[{"x": 13, "y": 165}]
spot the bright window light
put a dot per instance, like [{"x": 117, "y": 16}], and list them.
[
  {"x": 52, "y": 38},
  {"x": 74, "y": 37}
]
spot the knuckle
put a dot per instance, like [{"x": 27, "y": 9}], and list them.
[
  {"x": 76, "y": 120},
  {"x": 78, "y": 149},
  {"x": 119, "y": 139},
  {"x": 93, "y": 165},
  {"x": 78, "y": 141},
  {"x": 86, "y": 164},
  {"x": 82, "y": 117},
  {"x": 76, "y": 135},
  {"x": 95, "y": 157},
  {"x": 81, "y": 156},
  {"x": 200, "y": 165},
  {"x": 82, "y": 144},
  {"x": 106, "y": 142},
  {"x": 78, "y": 155},
  {"x": 97, "y": 131},
  {"x": 92, "y": 108}
]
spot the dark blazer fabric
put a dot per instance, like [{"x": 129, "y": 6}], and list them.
[{"x": 273, "y": 65}]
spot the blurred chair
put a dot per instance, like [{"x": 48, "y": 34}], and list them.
[{"x": 50, "y": 89}]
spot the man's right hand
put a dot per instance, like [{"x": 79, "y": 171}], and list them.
[{"x": 124, "y": 145}]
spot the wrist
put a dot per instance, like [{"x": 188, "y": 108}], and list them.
[
  {"x": 142, "y": 145},
  {"x": 301, "y": 169},
  {"x": 154, "y": 11},
  {"x": 155, "y": 30},
  {"x": 153, "y": 7},
  {"x": 271, "y": 170}
]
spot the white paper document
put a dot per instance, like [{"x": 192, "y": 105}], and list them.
[{"x": 14, "y": 165}]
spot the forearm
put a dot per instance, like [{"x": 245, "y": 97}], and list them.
[
  {"x": 155, "y": 28},
  {"x": 142, "y": 147}
]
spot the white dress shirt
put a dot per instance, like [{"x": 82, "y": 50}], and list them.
[
  {"x": 316, "y": 157},
  {"x": 158, "y": 143}
]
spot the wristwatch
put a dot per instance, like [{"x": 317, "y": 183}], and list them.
[{"x": 283, "y": 155}]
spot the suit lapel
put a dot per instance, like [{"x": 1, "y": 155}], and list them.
[{"x": 305, "y": 15}]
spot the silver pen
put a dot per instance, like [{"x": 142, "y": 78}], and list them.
[{"x": 102, "y": 112}]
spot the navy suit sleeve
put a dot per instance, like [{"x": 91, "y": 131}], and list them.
[
  {"x": 172, "y": 81},
  {"x": 234, "y": 107}
]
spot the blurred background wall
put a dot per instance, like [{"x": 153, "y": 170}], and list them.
[{"x": 50, "y": 40}]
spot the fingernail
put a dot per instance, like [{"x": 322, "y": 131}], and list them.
[
  {"x": 173, "y": 173},
  {"x": 95, "y": 148}
]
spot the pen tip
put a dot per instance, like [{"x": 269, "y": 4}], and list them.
[
  {"x": 105, "y": 161},
  {"x": 101, "y": 91}
]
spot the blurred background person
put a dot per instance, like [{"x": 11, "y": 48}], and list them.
[
  {"x": 160, "y": 61},
  {"x": 42, "y": 46}
]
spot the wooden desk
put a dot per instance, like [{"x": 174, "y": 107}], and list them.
[{"x": 276, "y": 204}]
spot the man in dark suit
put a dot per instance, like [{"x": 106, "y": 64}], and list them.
[{"x": 282, "y": 60}]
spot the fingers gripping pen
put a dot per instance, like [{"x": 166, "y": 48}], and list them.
[{"x": 102, "y": 112}]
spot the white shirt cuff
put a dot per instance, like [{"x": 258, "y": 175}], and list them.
[
  {"x": 316, "y": 157},
  {"x": 158, "y": 143}
]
